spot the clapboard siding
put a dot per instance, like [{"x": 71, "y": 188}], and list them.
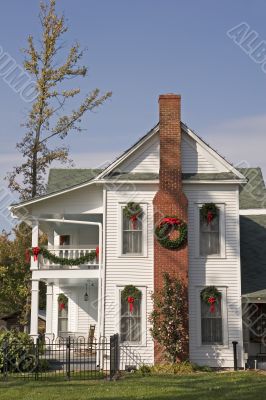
[
  {"x": 123, "y": 271},
  {"x": 223, "y": 272},
  {"x": 195, "y": 159}
]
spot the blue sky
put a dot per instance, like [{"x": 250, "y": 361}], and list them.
[{"x": 141, "y": 49}]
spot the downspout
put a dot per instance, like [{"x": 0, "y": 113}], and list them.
[{"x": 104, "y": 260}]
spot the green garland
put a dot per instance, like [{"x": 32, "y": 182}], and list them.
[
  {"x": 163, "y": 230},
  {"x": 209, "y": 212},
  {"x": 132, "y": 210},
  {"x": 131, "y": 291},
  {"x": 66, "y": 261}
]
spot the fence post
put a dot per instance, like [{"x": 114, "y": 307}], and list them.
[
  {"x": 68, "y": 358},
  {"x": 235, "y": 354},
  {"x": 114, "y": 355},
  {"x": 37, "y": 359}
]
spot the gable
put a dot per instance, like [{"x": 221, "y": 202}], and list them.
[{"x": 195, "y": 159}]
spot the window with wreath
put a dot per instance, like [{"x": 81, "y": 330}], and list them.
[
  {"x": 130, "y": 321},
  {"x": 211, "y": 323},
  {"x": 132, "y": 235},
  {"x": 62, "y": 319},
  {"x": 210, "y": 235}
]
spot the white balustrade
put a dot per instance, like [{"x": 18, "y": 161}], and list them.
[{"x": 68, "y": 252}]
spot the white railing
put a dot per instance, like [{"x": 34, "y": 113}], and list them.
[{"x": 68, "y": 252}]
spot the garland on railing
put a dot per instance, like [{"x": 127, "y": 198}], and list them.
[
  {"x": 62, "y": 301},
  {"x": 210, "y": 295},
  {"x": 209, "y": 212},
  {"x": 35, "y": 251},
  {"x": 131, "y": 293},
  {"x": 166, "y": 227}
]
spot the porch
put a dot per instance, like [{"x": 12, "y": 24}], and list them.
[
  {"x": 70, "y": 264},
  {"x": 254, "y": 329}
]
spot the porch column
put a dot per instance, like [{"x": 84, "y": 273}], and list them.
[
  {"x": 35, "y": 242},
  {"x": 49, "y": 310},
  {"x": 34, "y": 308}
]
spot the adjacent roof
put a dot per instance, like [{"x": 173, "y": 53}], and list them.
[
  {"x": 253, "y": 253},
  {"x": 253, "y": 194}
]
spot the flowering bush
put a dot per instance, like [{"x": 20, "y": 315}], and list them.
[{"x": 169, "y": 318}]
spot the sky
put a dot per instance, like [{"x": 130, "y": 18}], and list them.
[{"x": 138, "y": 50}]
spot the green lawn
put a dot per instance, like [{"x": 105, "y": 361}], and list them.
[{"x": 207, "y": 386}]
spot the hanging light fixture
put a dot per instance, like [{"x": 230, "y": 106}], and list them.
[{"x": 86, "y": 296}]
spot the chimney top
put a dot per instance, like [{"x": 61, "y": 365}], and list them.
[{"x": 169, "y": 96}]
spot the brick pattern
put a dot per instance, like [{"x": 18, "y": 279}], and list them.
[{"x": 170, "y": 199}]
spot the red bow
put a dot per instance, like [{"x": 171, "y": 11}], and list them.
[
  {"x": 170, "y": 221},
  {"x": 36, "y": 251},
  {"x": 210, "y": 216},
  {"x": 134, "y": 219},
  {"x": 97, "y": 251},
  {"x": 131, "y": 300},
  {"x": 212, "y": 301},
  {"x": 61, "y": 306}
]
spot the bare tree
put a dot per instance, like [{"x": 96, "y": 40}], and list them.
[{"x": 47, "y": 119}]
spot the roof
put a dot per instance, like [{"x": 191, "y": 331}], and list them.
[
  {"x": 64, "y": 181},
  {"x": 253, "y": 253},
  {"x": 62, "y": 178}
]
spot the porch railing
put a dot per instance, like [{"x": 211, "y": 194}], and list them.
[{"x": 69, "y": 252}]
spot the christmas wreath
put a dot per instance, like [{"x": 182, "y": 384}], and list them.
[
  {"x": 209, "y": 212},
  {"x": 131, "y": 293},
  {"x": 62, "y": 301},
  {"x": 166, "y": 227},
  {"x": 211, "y": 296},
  {"x": 35, "y": 251},
  {"x": 132, "y": 211}
]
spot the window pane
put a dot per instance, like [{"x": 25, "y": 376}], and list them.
[
  {"x": 211, "y": 324},
  {"x": 209, "y": 236},
  {"x": 130, "y": 323},
  {"x": 132, "y": 242}
]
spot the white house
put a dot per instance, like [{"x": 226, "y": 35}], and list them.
[{"x": 169, "y": 171}]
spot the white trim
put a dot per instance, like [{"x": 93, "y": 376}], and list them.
[
  {"x": 143, "y": 289},
  {"x": 222, "y": 231},
  {"x": 225, "y": 330},
  {"x": 144, "y": 253},
  {"x": 219, "y": 182},
  {"x": 253, "y": 211}
]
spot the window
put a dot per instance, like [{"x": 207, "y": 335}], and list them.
[
  {"x": 211, "y": 324},
  {"x": 210, "y": 236},
  {"x": 63, "y": 320},
  {"x": 132, "y": 235},
  {"x": 130, "y": 322}
]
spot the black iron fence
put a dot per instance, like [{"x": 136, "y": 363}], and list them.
[{"x": 63, "y": 358}]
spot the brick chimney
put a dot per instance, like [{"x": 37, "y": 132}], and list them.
[{"x": 170, "y": 199}]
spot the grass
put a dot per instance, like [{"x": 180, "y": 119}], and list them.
[{"x": 207, "y": 386}]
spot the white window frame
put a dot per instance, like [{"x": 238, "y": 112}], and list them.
[
  {"x": 222, "y": 232},
  {"x": 143, "y": 289},
  {"x": 144, "y": 253},
  {"x": 224, "y": 312}
]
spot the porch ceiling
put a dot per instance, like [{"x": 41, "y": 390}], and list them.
[
  {"x": 259, "y": 295},
  {"x": 70, "y": 282}
]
